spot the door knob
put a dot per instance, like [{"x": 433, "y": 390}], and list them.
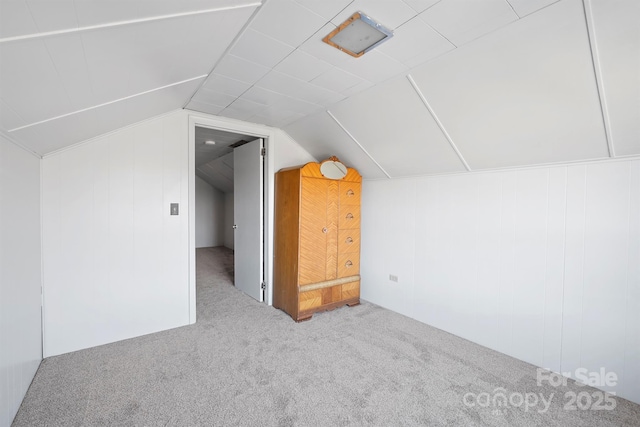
[{"x": 324, "y": 230}]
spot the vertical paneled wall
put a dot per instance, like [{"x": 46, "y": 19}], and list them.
[
  {"x": 115, "y": 260},
  {"x": 541, "y": 264},
  {"x": 210, "y": 211},
  {"x": 20, "y": 276}
]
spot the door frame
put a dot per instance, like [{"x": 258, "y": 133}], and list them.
[{"x": 251, "y": 129}]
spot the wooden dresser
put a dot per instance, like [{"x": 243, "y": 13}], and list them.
[{"x": 317, "y": 240}]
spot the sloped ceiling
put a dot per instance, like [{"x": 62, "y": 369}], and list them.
[
  {"x": 462, "y": 85},
  {"x": 214, "y": 163},
  {"x": 71, "y": 70}
]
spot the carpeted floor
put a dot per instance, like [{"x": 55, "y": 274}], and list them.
[{"x": 244, "y": 363}]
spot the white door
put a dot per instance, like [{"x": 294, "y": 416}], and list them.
[{"x": 248, "y": 218}]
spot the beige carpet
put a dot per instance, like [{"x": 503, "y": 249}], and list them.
[{"x": 244, "y": 363}]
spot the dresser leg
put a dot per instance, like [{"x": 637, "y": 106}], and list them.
[
  {"x": 353, "y": 304},
  {"x": 304, "y": 319}
]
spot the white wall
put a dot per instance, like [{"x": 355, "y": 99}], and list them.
[
  {"x": 116, "y": 263},
  {"x": 287, "y": 152},
  {"x": 541, "y": 264},
  {"x": 210, "y": 215},
  {"x": 228, "y": 220},
  {"x": 20, "y": 276}
]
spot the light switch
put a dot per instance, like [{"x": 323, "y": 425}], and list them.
[{"x": 175, "y": 209}]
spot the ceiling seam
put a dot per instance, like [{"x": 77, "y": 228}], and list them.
[
  {"x": 8, "y": 138},
  {"x": 357, "y": 143},
  {"x": 60, "y": 79},
  {"x": 107, "y": 103},
  {"x": 514, "y": 11},
  {"x": 227, "y": 51},
  {"x": 597, "y": 71},
  {"x": 121, "y": 23},
  {"x": 437, "y": 120}
]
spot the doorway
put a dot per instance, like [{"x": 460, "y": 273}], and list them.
[{"x": 231, "y": 165}]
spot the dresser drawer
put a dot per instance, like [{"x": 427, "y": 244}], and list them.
[
  {"x": 351, "y": 290},
  {"x": 310, "y": 300},
  {"x": 348, "y": 240},
  {"x": 349, "y": 216},
  {"x": 349, "y": 193},
  {"x": 348, "y": 264}
]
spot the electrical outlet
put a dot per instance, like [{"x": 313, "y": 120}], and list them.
[{"x": 393, "y": 278}]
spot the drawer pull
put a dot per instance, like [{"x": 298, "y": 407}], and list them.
[
  {"x": 349, "y": 240},
  {"x": 350, "y": 193},
  {"x": 348, "y": 264},
  {"x": 349, "y": 215},
  {"x": 324, "y": 230}
]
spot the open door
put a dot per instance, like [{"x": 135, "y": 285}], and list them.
[{"x": 248, "y": 208}]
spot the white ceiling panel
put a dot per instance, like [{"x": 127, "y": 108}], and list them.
[
  {"x": 246, "y": 107},
  {"x": 214, "y": 98},
  {"x": 211, "y": 175},
  {"x": 146, "y": 8},
  {"x": 79, "y": 127},
  {"x": 235, "y": 113},
  {"x": 277, "y": 117},
  {"x": 215, "y": 29},
  {"x": 132, "y": 59},
  {"x": 204, "y": 108},
  {"x": 225, "y": 85},
  {"x": 327, "y": 9},
  {"x": 357, "y": 88},
  {"x": 98, "y": 12},
  {"x": 16, "y": 19},
  {"x": 261, "y": 49},
  {"x": 399, "y": 133},
  {"x": 375, "y": 66},
  {"x": 240, "y": 69},
  {"x": 151, "y": 104},
  {"x": 522, "y": 95},
  {"x": 337, "y": 80},
  {"x": 300, "y": 24},
  {"x": 526, "y": 7},
  {"x": 618, "y": 46},
  {"x": 218, "y": 173},
  {"x": 322, "y": 137},
  {"x": 461, "y": 21},
  {"x": 53, "y": 15},
  {"x": 111, "y": 55},
  {"x": 29, "y": 82},
  {"x": 8, "y": 118},
  {"x": 297, "y": 105},
  {"x": 278, "y": 82},
  {"x": 263, "y": 96},
  {"x": 389, "y": 13},
  {"x": 57, "y": 134},
  {"x": 421, "y": 5},
  {"x": 415, "y": 42},
  {"x": 302, "y": 66},
  {"x": 71, "y": 67}
]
